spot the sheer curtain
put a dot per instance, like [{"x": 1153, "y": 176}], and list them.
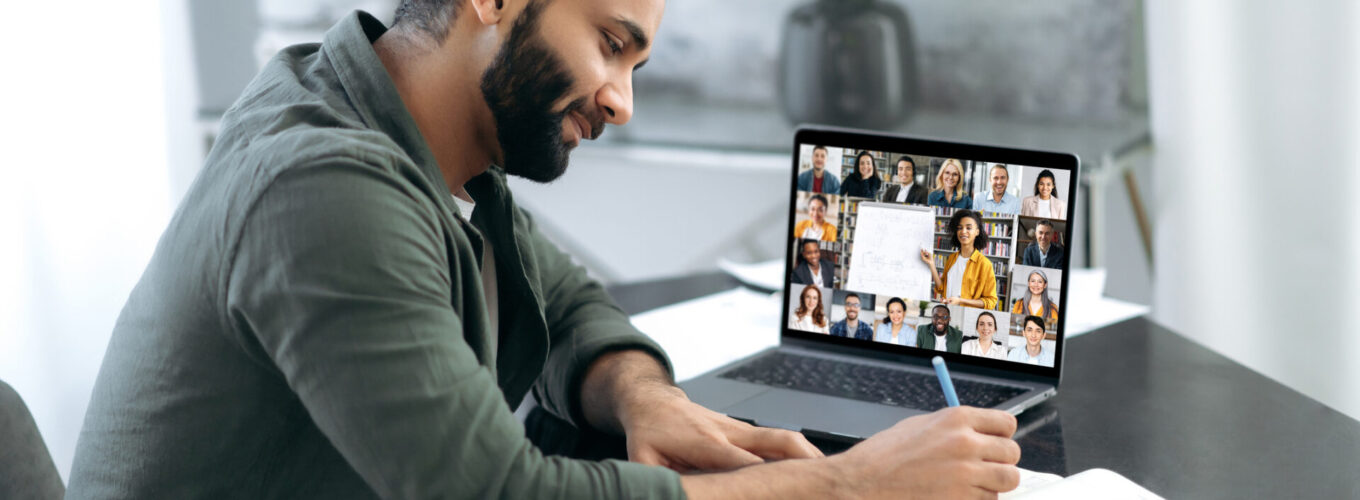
[
  {"x": 84, "y": 196},
  {"x": 1256, "y": 116}
]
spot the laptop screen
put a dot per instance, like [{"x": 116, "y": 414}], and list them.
[{"x": 925, "y": 247}]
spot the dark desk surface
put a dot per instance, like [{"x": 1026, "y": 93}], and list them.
[{"x": 1138, "y": 399}]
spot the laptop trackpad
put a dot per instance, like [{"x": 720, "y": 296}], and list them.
[{"x": 801, "y": 410}]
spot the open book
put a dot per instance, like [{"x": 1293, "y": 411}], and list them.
[{"x": 1093, "y": 483}]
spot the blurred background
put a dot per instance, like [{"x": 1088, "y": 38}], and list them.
[{"x": 1218, "y": 146}]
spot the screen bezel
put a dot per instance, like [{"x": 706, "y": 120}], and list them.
[{"x": 901, "y": 144}]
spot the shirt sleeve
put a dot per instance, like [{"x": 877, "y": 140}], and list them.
[
  {"x": 584, "y": 323},
  {"x": 341, "y": 277},
  {"x": 987, "y": 284}
]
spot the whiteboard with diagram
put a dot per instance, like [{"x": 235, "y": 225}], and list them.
[{"x": 885, "y": 255}]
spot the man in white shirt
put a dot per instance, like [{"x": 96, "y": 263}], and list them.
[{"x": 998, "y": 200}]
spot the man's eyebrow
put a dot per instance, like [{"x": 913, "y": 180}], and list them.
[{"x": 634, "y": 31}]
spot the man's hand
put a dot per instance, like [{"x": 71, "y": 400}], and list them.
[
  {"x": 630, "y": 392},
  {"x": 959, "y": 452},
  {"x": 665, "y": 428},
  {"x": 952, "y": 453}
]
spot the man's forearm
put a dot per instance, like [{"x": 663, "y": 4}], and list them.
[{"x": 619, "y": 379}]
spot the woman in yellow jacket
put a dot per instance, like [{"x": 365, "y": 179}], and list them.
[
  {"x": 815, "y": 227},
  {"x": 971, "y": 284}
]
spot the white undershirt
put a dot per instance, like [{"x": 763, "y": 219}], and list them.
[
  {"x": 466, "y": 206},
  {"x": 954, "y": 279},
  {"x": 939, "y": 341},
  {"x": 813, "y": 232},
  {"x": 1045, "y": 208},
  {"x": 816, "y": 276},
  {"x": 902, "y": 195}
]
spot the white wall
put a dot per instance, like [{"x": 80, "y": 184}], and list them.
[
  {"x": 1256, "y": 116},
  {"x": 84, "y": 196}
]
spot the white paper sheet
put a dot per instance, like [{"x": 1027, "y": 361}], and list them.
[{"x": 707, "y": 332}]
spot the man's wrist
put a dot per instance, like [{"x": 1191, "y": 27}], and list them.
[
  {"x": 643, "y": 394},
  {"x": 619, "y": 383}
]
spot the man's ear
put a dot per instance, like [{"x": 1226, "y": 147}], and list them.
[{"x": 489, "y": 12}]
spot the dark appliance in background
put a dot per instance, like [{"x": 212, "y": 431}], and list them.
[{"x": 849, "y": 63}]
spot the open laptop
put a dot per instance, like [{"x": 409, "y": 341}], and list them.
[{"x": 863, "y": 313}]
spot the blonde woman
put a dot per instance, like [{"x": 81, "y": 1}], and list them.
[
  {"x": 809, "y": 316},
  {"x": 949, "y": 187}
]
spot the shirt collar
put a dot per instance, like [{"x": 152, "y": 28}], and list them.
[{"x": 349, "y": 47}]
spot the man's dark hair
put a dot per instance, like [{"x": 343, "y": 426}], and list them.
[
  {"x": 430, "y": 17},
  {"x": 819, "y": 146},
  {"x": 908, "y": 160},
  {"x": 1045, "y": 222},
  {"x": 979, "y": 243},
  {"x": 939, "y": 306},
  {"x": 855, "y": 295},
  {"x": 1036, "y": 320}
]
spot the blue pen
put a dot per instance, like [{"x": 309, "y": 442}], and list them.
[{"x": 946, "y": 384}]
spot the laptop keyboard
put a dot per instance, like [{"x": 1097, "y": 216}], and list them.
[{"x": 874, "y": 384}]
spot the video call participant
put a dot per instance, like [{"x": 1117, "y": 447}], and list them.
[
  {"x": 812, "y": 269},
  {"x": 998, "y": 200},
  {"x": 1036, "y": 301},
  {"x": 949, "y": 187},
  {"x": 972, "y": 282},
  {"x": 851, "y": 323},
  {"x": 1044, "y": 252},
  {"x": 1033, "y": 351},
  {"x": 864, "y": 181},
  {"x": 816, "y": 180},
  {"x": 893, "y": 331},
  {"x": 906, "y": 190},
  {"x": 815, "y": 227},
  {"x": 938, "y": 334},
  {"x": 809, "y": 315},
  {"x": 983, "y": 345},
  {"x": 1045, "y": 202}
]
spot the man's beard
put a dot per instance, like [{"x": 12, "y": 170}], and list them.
[{"x": 520, "y": 87}]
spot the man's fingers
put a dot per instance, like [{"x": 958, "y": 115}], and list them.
[
  {"x": 994, "y": 422},
  {"x": 996, "y": 477},
  {"x": 724, "y": 456},
  {"x": 1000, "y": 450},
  {"x": 775, "y": 443}
]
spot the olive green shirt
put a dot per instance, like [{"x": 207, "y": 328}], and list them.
[{"x": 313, "y": 323}]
